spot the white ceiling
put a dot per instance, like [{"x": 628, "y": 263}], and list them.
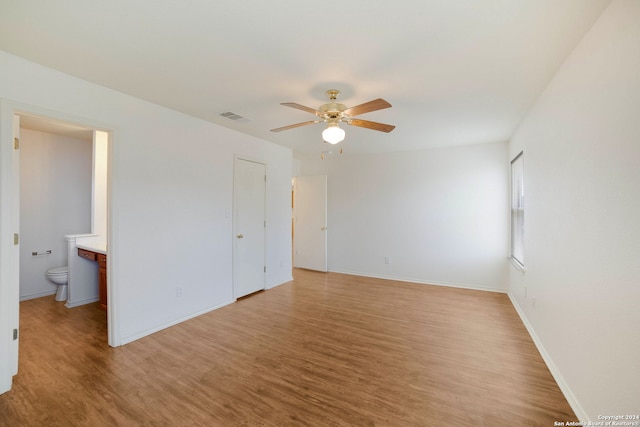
[{"x": 456, "y": 71}]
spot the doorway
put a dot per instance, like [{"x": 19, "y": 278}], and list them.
[
  {"x": 10, "y": 214},
  {"x": 56, "y": 176},
  {"x": 310, "y": 222},
  {"x": 249, "y": 225}
]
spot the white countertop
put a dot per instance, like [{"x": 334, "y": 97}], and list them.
[{"x": 94, "y": 244}]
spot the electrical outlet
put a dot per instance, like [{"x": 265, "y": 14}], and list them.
[
  {"x": 178, "y": 292},
  {"x": 387, "y": 260}
]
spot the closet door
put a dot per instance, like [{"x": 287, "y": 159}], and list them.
[{"x": 249, "y": 267}]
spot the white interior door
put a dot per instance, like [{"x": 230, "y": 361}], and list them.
[
  {"x": 310, "y": 222},
  {"x": 9, "y": 249},
  {"x": 15, "y": 281},
  {"x": 249, "y": 188}
]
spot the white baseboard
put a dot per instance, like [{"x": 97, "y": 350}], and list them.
[
  {"x": 81, "y": 302},
  {"x": 420, "y": 281},
  {"x": 37, "y": 295},
  {"x": 127, "y": 340},
  {"x": 564, "y": 387},
  {"x": 280, "y": 283}
]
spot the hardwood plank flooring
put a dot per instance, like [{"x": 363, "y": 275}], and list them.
[{"x": 323, "y": 350}]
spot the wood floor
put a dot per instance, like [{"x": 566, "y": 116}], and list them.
[{"x": 323, "y": 350}]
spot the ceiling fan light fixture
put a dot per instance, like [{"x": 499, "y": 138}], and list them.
[
  {"x": 333, "y": 134},
  {"x": 332, "y": 113}
]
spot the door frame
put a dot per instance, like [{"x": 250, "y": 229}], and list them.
[
  {"x": 236, "y": 159},
  {"x": 10, "y": 224}
]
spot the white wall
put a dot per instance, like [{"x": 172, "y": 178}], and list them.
[
  {"x": 581, "y": 146},
  {"x": 171, "y": 196},
  {"x": 99, "y": 188},
  {"x": 440, "y": 215},
  {"x": 55, "y": 199}
]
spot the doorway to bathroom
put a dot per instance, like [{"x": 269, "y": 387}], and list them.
[
  {"x": 61, "y": 171},
  {"x": 63, "y": 198},
  {"x": 56, "y": 176}
]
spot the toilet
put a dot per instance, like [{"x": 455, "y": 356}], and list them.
[{"x": 60, "y": 276}]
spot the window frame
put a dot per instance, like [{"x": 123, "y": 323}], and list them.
[{"x": 517, "y": 211}]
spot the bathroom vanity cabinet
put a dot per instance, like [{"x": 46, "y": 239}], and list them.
[
  {"x": 101, "y": 259},
  {"x": 102, "y": 280}
]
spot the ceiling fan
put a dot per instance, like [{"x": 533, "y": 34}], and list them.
[{"x": 332, "y": 113}]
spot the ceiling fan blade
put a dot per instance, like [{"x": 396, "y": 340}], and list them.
[
  {"x": 301, "y": 107},
  {"x": 372, "y": 125},
  {"x": 297, "y": 125},
  {"x": 376, "y": 104}
]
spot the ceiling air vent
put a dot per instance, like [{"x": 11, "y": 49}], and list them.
[{"x": 232, "y": 116}]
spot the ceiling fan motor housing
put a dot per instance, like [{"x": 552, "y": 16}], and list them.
[{"x": 332, "y": 112}]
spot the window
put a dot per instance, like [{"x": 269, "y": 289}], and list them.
[{"x": 517, "y": 210}]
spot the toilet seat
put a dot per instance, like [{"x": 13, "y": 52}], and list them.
[
  {"x": 58, "y": 271},
  {"x": 60, "y": 276}
]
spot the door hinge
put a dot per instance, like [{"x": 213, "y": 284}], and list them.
[
  {"x": 265, "y": 268},
  {"x": 265, "y": 178},
  {"x": 15, "y": 334},
  {"x": 16, "y": 238},
  {"x": 265, "y": 223},
  {"x": 16, "y": 143}
]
